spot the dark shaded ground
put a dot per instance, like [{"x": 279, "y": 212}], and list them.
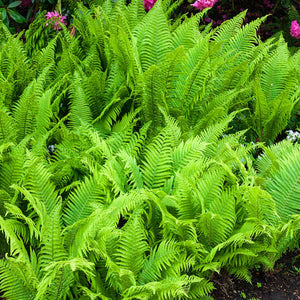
[{"x": 283, "y": 283}]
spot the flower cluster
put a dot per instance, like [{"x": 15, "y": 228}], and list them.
[
  {"x": 57, "y": 18},
  {"x": 148, "y": 4},
  {"x": 295, "y": 29},
  {"x": 201, "y": 4},
  {"x": 292, "y": 135}
]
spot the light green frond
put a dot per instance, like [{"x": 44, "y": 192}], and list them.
[
  {"x": 188, "y": 206},
  {"x": 132, "y": 170},
  {"x": 7, "y": 130},
  {"x": 137, "y": 141},
  {"x": 17, "y": 246},
  {"x": 259, "y": 204},
  {"x": 131, "y": 250},
  {"x": 11, "y": 168},
  {"x": 212, "y": 133},
  {"x": 209, "y": 187},
  {"x": 16, "y": 280},
  {"x": 47, "y": 55},
  {"x": 135, "y": 12},
  {"x": 187, "y": 152},
  {"x": 94, "y": 86},
  {"x": 56, "y": 282},
  {"x": 39, "y": 185},
  {"x": 270, "y": 161},
  {"x": 284, "y": 187},
  {"x": 25, "y": 112},
  {"x": 225, "y": 206},
  {"x": 159, "y": 260},
  {"x": 113, "y": 171},
  {"x": 156, "y": 166},
  {"x": 278, "y": 119},
  {"x": 52, "y": 240},
  {"x": 16, "y": 212},
  {"x": 245, "y": 38},
  {"x": 80, "y": 201},
  {"x": 153, "y": 97},
  {"x": 212, "y": 228},
  {"x": 228, "y": 28},
  {"x": 80, "y": 111},
  {"x": 171, "y": 67},
  {"x": 155, "y": 41},
  {"x": 172, "y": 288},
  {"x": 187, "y": 33},
  {"x": 275, "y": 73},
  {"x": 44, "y": 114},
  {"x": 195, "y": 73}
]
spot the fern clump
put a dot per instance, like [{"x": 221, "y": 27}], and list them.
[{"x": 124, "y": 171}]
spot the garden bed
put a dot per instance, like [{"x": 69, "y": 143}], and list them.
[{"x": 282, "y": 283}]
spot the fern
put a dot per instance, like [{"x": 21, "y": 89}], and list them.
[
  {"x": 156, "y": 167},
  {"x": 154, "y": 38},
  {"x": 283, "y": 187}
]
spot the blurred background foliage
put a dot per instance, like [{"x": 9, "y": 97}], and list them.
[{"x": 18, "y": 15}]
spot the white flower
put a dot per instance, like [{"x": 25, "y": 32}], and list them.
[{"x": 292, "y": 135}]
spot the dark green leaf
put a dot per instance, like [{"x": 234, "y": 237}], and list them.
[
  {"x": 285, "y": 3},
  {"x": 14, "y": 4},
  {"x": 16, "y": 16},
  {"x": 1, "y": 3},
  {"x": 3, "y": 12}
]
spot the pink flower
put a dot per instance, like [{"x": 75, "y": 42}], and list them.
[
  {"x": 201, "y": 4},
  {"x": 295, "y": 29},
  {"x": 148, "y": 4},
  {"x": 57, "y": 18}
]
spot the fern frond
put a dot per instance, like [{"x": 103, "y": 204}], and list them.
[
  {"x": 284, "y": 186},
  {"x": 80, "y": 111},
  {"x": 40, "y": 187},
  {"x": 11, "y": 168},
  {"x": 131, "y": 249},
  {"x": 153, "y": 37},
  {"x": 80, "y": 201},
  {"x": 159, "y": 260},
  {"x": 25, "y": 112},
  {"x": 17, "y": 246},
  {"x": 187, "y": 152},
  {"x": 7, "y": 130},
  {"x": 156, "y": 168},
  {"x": 17, "y": 281},
  {"x": 228, "y": 28},
  {"x": 187, "y": 33},
  {"x": 275, "y": 73},
  {"x": 52, "y": 249}
]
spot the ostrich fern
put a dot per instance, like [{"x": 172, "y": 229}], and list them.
[{"x": 117, "y": 180}]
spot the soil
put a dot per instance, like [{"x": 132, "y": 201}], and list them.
[{"x": 281, "y": 283}]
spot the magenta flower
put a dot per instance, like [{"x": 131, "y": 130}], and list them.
[
  {"x": 148, "y": 4},
  {"x": 201, "y": 4},
  {"x": 56, "y": 18},
  {"x": 295, "y": 29}
]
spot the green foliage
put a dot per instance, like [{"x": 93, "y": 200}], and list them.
[{"x": 123, "y": 168}]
